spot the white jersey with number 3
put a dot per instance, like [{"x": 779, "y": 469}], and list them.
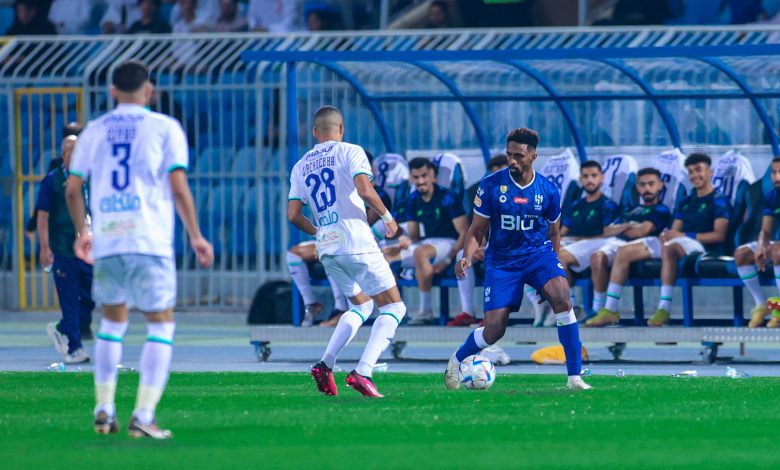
[
  {"x": 126, "y": 155},
  {"x": 323, "y": 179}
]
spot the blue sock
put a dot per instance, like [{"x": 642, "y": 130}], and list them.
[
  {"x": 473, "y": 345},
  {"x": 569, "y": 336}
]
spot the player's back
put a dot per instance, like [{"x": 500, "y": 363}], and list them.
[
  {"x": 324, "y": 180},
  {"x": 127, "y": 155}
]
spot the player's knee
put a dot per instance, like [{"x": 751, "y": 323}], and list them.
[
  {"x": 598, "y": 260},
  {"x": 561, "y": 305},
  {"x": 396, "y": 310},
  {"x": 743, "y": 256},
  {"x": 670, "y": 252}
]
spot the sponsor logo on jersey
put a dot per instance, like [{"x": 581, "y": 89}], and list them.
[
  {"x": 487, "y": 294},
  {"x": 521, "y": 200},
  {"x": 119, "y": 203},
  {"x": 503, "y": 189},
  {"x": 480, "y": 191},
  {"x": 516, "y": 222}
]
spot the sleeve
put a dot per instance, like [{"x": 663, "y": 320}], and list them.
[
  {"x": 678, "y": 214},
  {"x": 553, "y": 210},
  {"x": 358, "y": 163},
  {"x": 45, "y": 194},
  {"x": 177, "y": 153},
  {"x": 722, "y": 208},
  {"x": 80, "y": 162},
  {"x": 454, "y": 205},
  {"x": 769, "y": 208},
  {"x": 483, "y": 205},
  {"x": 297, "y": 191},
  {"x": 611, "y": 212}
]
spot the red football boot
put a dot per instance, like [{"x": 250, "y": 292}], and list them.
[
  {"x": 464, "y": 319},
  {"x": 364, "y": 385},
  {"x": 323, "y": 376}
]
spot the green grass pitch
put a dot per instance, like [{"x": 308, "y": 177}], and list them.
[{"x": 274, "y": 420}]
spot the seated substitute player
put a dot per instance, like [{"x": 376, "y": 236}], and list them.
[
  {"x": 132, "y": 197},
  {"x": 647, "y": 219},
  {"x": 584, "y": 226},
  {"x": 305, "y": 252},
  {"x": 756, "y": 254},
  {"x": 701, "y": 221},
  {"x": 437, "y": 225},
  {"x": 467, "y": 285},
  {"x": 521, "y": 213},
  {"x": 334, "y": 179}
]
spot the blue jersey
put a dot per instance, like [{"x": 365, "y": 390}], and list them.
[
  {"x": 588, "y": 219},
  {"x": 519, "y": 216},
  {"x": 772, "y": 207}
]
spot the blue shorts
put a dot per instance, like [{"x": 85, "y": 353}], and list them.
[{"x": 504, "y": 283}]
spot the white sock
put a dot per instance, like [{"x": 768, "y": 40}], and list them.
[
  {"x": 425, "y": 301},
  {"x": 299, "y": 271},
  {"x": 466, "y": 291},
  {"x": 573, "y": 297},
  {"x": 108, "y": 354},
  {"x": 599, "y": 299},
  {"x": 346, "y": 329},
  {"x": 382, "y": 333},
  {"x": 155, "y": 366},
  {"x": 614, "y": 291},
  {"x": 749, "y": 276},
  {"x": 665, "y": 302},
  {"x": 776, "y": 270},
  {"x": 339, "y": 300}
]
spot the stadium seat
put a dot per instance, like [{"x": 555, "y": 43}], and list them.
[
  {"x": 214, "y": 160},
  {"x": 245, "y": 161}
]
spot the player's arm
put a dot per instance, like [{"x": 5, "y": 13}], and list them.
[
  {"x": 43, "y": 238},
  {"x": 721, "y": 227},
  {"x": 639, "y": 230},
  {"x": 563, "y": 230},
  {"x": 185, "y": 207},
  {"x": 479, "y": 229},
  {"x": 296, "y": 217},
  {"x": 674, "y": 232},
  {"x": 614, "y": 229},
  {"x": 368, "y": 194},
  {"x": 764, "y": 240},
  {"x": 461, "y": 225},
  {"x": 554, "y": 233}
]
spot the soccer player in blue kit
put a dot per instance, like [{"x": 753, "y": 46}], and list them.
[{"x": 521, "y": 213}]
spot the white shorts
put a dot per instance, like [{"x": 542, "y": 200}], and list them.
[
  {"x": 366, "y": 272},
  {"x": 653, "y": 244},
  {"x": 610, "y": 248},
  {"x": 441, "y": 245},
  {"x": 145, "y": 282},
  {"x": 581, "y": 250}
]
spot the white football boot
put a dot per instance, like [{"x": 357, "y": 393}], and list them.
[{"x": 451, "y": 373}]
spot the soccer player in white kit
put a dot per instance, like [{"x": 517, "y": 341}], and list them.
[
  {"x": 135, "y": 161},
  {"x": 334, "y": 180}
]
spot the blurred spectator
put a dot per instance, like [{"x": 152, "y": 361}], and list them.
[
  {"x": 323, "y": 20},
  {"x": 71, "y": 16},
  {"x": 276, "y": 16},
  {"x": 694, "y": 12},
  {"x": 230, "y": 20},
  {"x": 28, "y": 20},
  {"x": 206, "y": 13},
  {"x": 188, "y": 21},
  {"x": 150, "y": 21},
  {"x": 638, "y": 12},
  {"x": 744, "y": 11},
  {"x": 439, "y": 15},
  {"x": 119, "y": 15},
  {"x": 496, "y": 13}
]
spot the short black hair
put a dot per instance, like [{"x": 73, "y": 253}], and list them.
[
  {"x": 71, "y": 128},
  {"x": 591, "y": 164},
  {"x": 157, "y": 3},
  {"x": 422, "y": 162},
  {"x": 695, "y": 158},
  {"x": 648, "y": 171},
  {"x": 775, "y": 160},
  {"x": 441, "y": 4},
  {"x": 370, "y": 157},
  {"x": 130, "y": 76},
  {"x": 497, "y": 160},
  {"x": 523, "y": 135}
]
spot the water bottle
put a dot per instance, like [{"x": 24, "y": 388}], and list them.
[
  {"x": 620, "y": 373},
  {"x": 686, "y": 374},
  {"x": 736, "y": 374},
  {"x": 57, "y": 367}
]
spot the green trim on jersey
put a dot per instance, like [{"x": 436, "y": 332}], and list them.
[{"x": 177, "y": 166}]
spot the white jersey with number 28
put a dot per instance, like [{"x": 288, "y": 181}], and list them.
[
  {"x": 126, "y": 155},
  {"x": 323, "y": 179}
]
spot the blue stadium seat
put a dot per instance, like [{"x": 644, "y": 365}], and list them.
[
  {"x": 6, "y": 18},
  {"x": 245, "y": 161},
  {"x": 214, "y": 160}
]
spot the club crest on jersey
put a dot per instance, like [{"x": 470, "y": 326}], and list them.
[
  {"x": 487, "y": 294},
  {"x": 503, "y": 189},
  {"x": 521, "y": 200},
  {"x": 477, "y": 201},
  {"x": 538, "y": 199}
]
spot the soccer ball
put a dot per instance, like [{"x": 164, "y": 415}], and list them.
[{"x": 476, "y": 373}]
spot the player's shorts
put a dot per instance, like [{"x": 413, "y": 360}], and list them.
[
  {"x": 366, "y": 272},
  {"x": 654, "y": 245},
  {"x": 610, "y": 248},
  {"x": 582, "y": 250},
  {"x": 753, "y": 246},
  {"x": 504, "y": 284},
  {"x": 145, "y": 282},
  {"x": 441, "y": 245}
]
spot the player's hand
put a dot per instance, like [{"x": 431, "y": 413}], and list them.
[
  {"x": 761, "y": 258},
  {"x": 461, "y": 266},
  {"x": 391, "y": 229},
  {"x": 404, "y": 242},
  {"x": 203, "y": 251},
  {"x": 479, "y": 255},
  {"x": 47, "y": 257},
  {"x": 82, "y": 247}
]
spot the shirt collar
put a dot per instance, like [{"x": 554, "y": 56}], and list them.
[{"x": 533, "y": 178}]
